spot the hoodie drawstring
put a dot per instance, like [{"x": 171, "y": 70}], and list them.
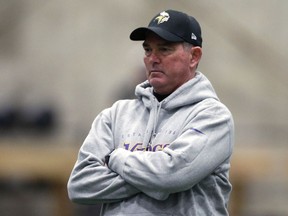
[{"x": 152, "y": 125}]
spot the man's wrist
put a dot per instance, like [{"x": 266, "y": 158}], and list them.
[{"x": 117, "y": 160}]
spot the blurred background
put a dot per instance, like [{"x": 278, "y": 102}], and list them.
[{"x": 62, "y": 62}]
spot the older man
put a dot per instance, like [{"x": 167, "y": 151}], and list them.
[{"x": 168, "y": 151}]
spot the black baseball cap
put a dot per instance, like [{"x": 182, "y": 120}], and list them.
[{"x": 173, "y": 26}]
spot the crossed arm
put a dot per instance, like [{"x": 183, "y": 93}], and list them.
[{"x": 187, "y": 160}]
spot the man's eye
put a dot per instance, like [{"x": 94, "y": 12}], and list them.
[
  {"x": 147, "y": 51},
  {"x": 164, "y": 49}
]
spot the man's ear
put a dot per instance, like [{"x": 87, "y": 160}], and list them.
[{"x": 196, "y": 54}]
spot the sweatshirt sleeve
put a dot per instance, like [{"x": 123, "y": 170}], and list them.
[
  {"x": 205, "y": 145},
  {"x": 91, "y": 181}
]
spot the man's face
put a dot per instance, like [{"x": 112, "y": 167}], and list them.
[{"x": 168, "y": 64}]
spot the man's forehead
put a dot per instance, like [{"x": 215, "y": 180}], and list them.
[{"x": 152, "y": 38}]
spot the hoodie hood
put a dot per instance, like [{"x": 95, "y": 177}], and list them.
[{"x": 195, "y": 90}]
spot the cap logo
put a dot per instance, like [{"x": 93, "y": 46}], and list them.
[
  {"x": 193, "y": 36},
  {"x": 163, "y": 17}
]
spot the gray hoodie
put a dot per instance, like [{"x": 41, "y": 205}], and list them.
[{"x": 168, "y": 158}]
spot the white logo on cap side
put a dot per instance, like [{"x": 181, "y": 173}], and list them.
[{"x": 193, "y": 36}]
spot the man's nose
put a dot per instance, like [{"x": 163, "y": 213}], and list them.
[{"x": 154, "y": 57}]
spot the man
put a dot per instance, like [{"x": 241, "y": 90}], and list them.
[{"x": 168, "y": 151}]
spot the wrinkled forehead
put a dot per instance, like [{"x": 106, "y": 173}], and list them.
[{"x": 152, "y": 37}]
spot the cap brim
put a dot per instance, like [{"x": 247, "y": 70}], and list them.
[{"x": 140, "y": 34}]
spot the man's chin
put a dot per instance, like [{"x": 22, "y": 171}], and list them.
[
  {"x": 158, "y": 85},
  {"x": 156, "y": 82}
]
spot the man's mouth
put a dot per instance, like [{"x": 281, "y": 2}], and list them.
[{"x": 155, "y": 71}]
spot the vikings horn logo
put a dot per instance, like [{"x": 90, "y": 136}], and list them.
[{"x": 163, "y": 17}]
